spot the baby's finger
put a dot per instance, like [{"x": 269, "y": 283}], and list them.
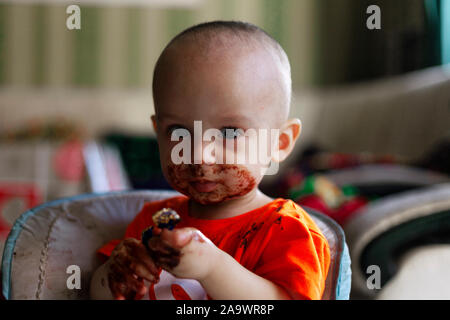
[
  {"x": 142, "y": 271},
  {"x": 159, "y": 245},
  {"x": 169, "y": 262},
  {"x": 156, "y": 231},
  {"x": 116, "y": 289},
  {"x": 123, "y": 276},
  {"x": 116, "y": 272},
  {"x": 160, "y": 259},
  {"x": 178, "y": 238},
  {"x": 127, "y": 289},
  {"x": 141, "y": 292},
  {"x": 133, "y": 284},
  {"x": 138, "y": 255},
  {"x": 143, "y": 257}
]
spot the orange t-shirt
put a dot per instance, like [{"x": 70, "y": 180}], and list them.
[{"x": 278, "y": 241}]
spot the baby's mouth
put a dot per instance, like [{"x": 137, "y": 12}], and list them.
[{"x": 204, "y": 185}]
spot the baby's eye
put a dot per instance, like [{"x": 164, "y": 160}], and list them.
[
  {"x": 231, "y": 132},
  {"x": 177, "y": 131}
]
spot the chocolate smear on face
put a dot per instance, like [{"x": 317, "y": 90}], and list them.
[{"x": 233, "y": 181}]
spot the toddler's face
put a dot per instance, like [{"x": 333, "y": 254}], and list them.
[{"x": 230, "y": 96}]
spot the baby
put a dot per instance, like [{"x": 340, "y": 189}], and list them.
[{"x": 233, "y": 242}]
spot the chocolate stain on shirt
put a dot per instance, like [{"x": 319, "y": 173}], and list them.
[
  {"x": 245, "y": 237},
  {"x": 278, "y": 221}
]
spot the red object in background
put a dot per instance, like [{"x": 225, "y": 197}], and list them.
[
  {"x": 27, "y": 191},
  {"x": 68, "y": 161},
  {"x": 315, "y": 202},
  {"x": 342, "y": 160},
  {"x": 348, "y": 209},
  {"x": 341, "y": 214}
]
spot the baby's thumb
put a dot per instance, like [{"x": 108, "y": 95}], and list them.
[{"x": 183, "y": 236}]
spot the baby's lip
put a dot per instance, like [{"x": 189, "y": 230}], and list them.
[
  {"x": 203, "y": 185},
  {"x": 201, "y": 180}
]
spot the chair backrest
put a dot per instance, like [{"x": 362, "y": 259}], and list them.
[
  {"x": 45, "y": 241},
  {"x": 338, "y": 282}
]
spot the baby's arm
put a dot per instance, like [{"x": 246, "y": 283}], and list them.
[
  {"x": 222, "y": 277},
  {"x": 230, "y": 280}
]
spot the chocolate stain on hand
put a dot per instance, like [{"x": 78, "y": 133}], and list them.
[
  {"x": 170, "y": 262},
  {"x": 115, "y": 274},
  {"x": 162, "y": 259},
  {"x": 155, "y": 244}
]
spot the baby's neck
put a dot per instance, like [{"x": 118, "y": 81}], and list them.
[{"x": 227, "y": 209}]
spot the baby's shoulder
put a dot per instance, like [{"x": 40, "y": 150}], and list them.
[
  {"x": 286, "y": 209},
  {"x": 288, "y": 215}
]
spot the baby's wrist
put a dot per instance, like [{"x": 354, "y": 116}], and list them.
[{"x": 217, "y": 260}]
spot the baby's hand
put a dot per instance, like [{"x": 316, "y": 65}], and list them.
[
  {"x": 184, "y": 252},
  {"x": 128, "y": 266}
]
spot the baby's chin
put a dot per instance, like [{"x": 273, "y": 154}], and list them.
[
  {"x": 221, "y": 194},
  {"x": 215, "y": 197},
  {"x": 211, "y": 184}
]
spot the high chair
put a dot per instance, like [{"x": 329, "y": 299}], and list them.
[{"x": 45, "y": 241}]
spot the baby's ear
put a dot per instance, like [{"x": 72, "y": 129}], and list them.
[
  {"x": 289, "y": 133},
  {"x": 153, "y": 118}
]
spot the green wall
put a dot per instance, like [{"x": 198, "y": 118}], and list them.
[{"x": 326, "y": 40}]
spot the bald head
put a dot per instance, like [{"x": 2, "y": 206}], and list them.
[{"x": 235, "y": 47}]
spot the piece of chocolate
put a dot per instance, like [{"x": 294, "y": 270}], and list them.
[{"x": 165, "y": 218}]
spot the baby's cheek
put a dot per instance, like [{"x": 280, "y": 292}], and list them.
[{"x": 178, "y": 176}]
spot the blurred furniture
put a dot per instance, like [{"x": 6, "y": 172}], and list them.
[
  {"x": 44, "y": 167},
  {"x": 140, "y": 158},
  {"x": 386, "y": 116},
  {"x": 427, "y": 266},
  {"x": 35, "y": 171},
  {"x": 46, "y": 240},
  {"x": 385, "y": 179},
  {"x": 388, "y": 233},
  {"x": 14, "y": 199}
]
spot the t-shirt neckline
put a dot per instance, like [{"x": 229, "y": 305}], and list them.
[{"x": 185, "y": 208}]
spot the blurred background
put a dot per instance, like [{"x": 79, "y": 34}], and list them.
[{"x": 75, "y": 109}]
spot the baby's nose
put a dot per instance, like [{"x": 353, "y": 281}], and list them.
[
  {"x": 205, "y": 153},
  {"x": 208, "y": 153}
]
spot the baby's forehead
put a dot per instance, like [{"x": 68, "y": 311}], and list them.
[
  {"x": 247, "y": 63},
  {"x": 214, "y": 53}
]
